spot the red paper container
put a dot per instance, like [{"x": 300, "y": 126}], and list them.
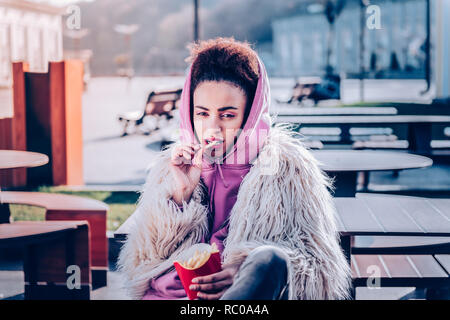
[{"x": 212, "y": 265}]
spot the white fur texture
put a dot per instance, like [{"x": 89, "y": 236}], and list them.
[{"x": 288, "y": 206}]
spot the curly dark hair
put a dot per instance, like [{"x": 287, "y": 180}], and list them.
[{"x": 225, "y": 59}]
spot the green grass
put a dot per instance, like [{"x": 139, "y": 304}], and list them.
[{"x": 121, "y": 205}]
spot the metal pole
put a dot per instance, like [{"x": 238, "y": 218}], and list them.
[
  {"x": 362, "y": 28},
  {"x": 196, "y": 23},
  {"x": 428, "y": 49}
]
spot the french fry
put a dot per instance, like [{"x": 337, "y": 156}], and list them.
[{"x": 199, "y": 258}]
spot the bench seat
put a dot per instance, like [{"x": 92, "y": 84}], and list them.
[
  {"x": 130, "y": 116},
  {"x": 70, "y": 207},
  {"x": 398, "y": 144},
  {"x": 400, "y": 245},
  {"x": 420, "y": 271},
  {"x": 50, "y": 248}
]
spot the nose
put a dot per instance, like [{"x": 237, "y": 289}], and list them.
[{"x": 213, "y": 125}]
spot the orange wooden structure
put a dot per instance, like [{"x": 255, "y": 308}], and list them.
[
  {"x": 47, "y": 119},
  {"x": 13, "y": 130}
]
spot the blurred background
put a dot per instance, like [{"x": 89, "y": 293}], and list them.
[
  {"x": 318, "y": 53},
  {"x": 94, "y": 85}
]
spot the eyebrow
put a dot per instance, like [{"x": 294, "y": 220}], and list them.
[{"x": 221, "y": 109}]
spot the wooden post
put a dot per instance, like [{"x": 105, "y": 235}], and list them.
[
  {"x": 13, "y": 130},
  {"x": 66, "y": 89},
  {"x": 47, "y": 119}
]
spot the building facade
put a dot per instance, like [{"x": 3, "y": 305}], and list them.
[
  {"x": 30, "y": 32},
  {"x": 396, "y": 49}
]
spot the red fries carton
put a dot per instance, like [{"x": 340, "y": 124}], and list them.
[{"x": 200, "y": 260}]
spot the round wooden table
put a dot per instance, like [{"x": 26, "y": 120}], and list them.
[
  {"x": 13, "y": 159},
  {"x": 344, "y": 165}
]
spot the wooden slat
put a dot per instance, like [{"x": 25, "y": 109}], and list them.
[
  {"x": 368, "y": 160},
  {"x": 22, "y": 229},
  {"x": 424, "y": 215},
  {"x": 362, "y": 264},
  {"x": 397, "y": 241},
  {"x": 397, "y": 266},
  {"x": 390, "y": 215},
  {"x": 392, "y": 119},
  {"x": 441, "y": 205},
  {"x": 356, "y": 217},
  {"x": 427, "y": 266},
  {"x": 444, "y": 260},
  {"x": 283, "y": 110},
  {"x": 53, "y": 201}
]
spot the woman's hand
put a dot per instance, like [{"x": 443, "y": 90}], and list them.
[
  {"x": 213, "y": 286},
  {"x": 186, "y": 166}
]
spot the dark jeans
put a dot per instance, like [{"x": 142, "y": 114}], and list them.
[{"x": 262, "y": 276}]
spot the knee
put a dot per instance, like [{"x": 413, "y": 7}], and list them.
[{"x": 271, "y": 258}]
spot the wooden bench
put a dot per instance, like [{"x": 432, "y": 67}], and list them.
[
  {"x": 159, "y": 104},
  {"x": 398, "y": 144},
  {"x": 392, "y": 144},
  {"x": 401, "y": 245},
  {"x": 420, "y": 271},
  {"x": 50, "y": 249},
  {"x": 69, "y": 207}
]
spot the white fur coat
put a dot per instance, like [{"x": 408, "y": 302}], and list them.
[{"x": 286, "y": 204}]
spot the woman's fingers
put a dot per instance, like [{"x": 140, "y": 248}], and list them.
[
  {"x": 188, "y": 148},
  {"x": 214, "y": 277},
  {"x": 184, "y": 154},
  {"x": 198, "y": 157},
  {"x": 212, "y": 287}
]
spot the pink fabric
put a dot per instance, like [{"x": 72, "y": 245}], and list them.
[{"x": 223, "y": 178}]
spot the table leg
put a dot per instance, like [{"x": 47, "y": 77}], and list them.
[
  {"x": 46, "y": 266},
  {"x": 419, "y": 138},
  {"x": 346, "y": 245},
  {"x": 4, "y": 213},
  {"x": 344, "y": 183},
  {"x": 345, "y": 133}
]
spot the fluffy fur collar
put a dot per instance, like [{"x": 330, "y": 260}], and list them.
[{"x": 282, "y": 201}]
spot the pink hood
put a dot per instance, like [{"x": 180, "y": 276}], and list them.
[{"x": 223, "y": 178}]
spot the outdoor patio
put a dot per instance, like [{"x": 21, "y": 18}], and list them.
[{"x": 85, "y": 109}]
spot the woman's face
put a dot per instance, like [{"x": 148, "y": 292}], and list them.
[{"x": 218, "y": 114}]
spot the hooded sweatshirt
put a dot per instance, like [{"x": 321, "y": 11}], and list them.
[{"x": 222, "y": 177}]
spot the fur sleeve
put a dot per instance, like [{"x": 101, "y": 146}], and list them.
[
  {"x": 160, "y": 230},
  {"x": 289, "y": 206}
]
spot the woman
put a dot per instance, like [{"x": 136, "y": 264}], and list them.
[{"x": 235, "y": 180}]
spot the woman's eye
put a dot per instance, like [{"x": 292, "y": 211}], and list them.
[
  {"x": 228, "y": 115},
  {"x": 202, "y": 114}
]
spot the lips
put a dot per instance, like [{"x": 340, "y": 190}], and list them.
[{"x": 212, "y": 140}]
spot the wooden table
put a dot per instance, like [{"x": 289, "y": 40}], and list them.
[
  {"x": 344, "y": 165},
  {"x": 283, "y": 111},
  {"x": 419, "y": 126},
  {"x": 391, "y": 216},
  {"x": 50, "y": 248},
  {"x": 377, "y": 216},
  {"x": 13, "y": 159}
]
